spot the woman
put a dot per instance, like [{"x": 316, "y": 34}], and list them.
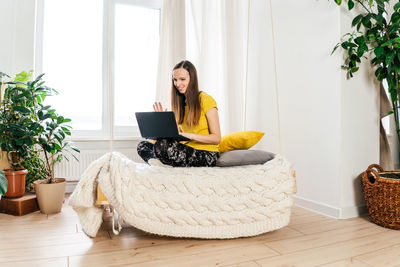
[{"x": 196, "y": 114}]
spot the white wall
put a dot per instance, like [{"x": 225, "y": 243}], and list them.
[
  {"x": 17, "y": 39},
  {"x": 309, "y": 95},
  {"x": 326, "y": 125},
  {"x": 335, "y": 120},
  {"x": 359, "y": 129}
]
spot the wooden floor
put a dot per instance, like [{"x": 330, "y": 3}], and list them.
[{"x": 310, "y": 240}]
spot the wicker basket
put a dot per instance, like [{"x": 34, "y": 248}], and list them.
[{"x": 382, "y": 196}]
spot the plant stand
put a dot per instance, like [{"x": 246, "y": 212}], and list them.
[{"x": 19, "y": 206}]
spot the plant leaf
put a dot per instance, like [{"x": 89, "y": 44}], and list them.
[
  {"x": 356, "y": 20},
  {"x": 350, "y": 4},
  {"x": 378, "y": 51},
  {"x": 3, "y": 183},
  {"x": 366, "y": 21},
  {"x": 75, "y": 148},
  {"x": 22, "y": 109},
  {"x": 389, "y": 58}
]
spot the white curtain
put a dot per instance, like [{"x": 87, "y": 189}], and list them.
[
  {"x": 217, "y": 45},
  {"x": 172, "y": 47},
  {"x": 231, "y": 44}
]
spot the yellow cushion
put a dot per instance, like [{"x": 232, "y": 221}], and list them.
[
  {"x": 101, "y": 198},
  {"x": 239, "y": 140}
]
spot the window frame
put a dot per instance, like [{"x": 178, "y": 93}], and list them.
[{"x": 108, "y": 131}]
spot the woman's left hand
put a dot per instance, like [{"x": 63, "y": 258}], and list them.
[{"x": 187, "y": 135}]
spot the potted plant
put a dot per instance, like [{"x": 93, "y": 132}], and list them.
[
  {"x": 376, "y": 38},
  {"x": 46, "y": 131},
  {"x": 32, "y": 161},
  {"x": 49, "y": 133},
  {"x": 15, "y": 136}
]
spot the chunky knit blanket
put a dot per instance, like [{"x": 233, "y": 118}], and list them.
[{"x": 213, "y": 202}]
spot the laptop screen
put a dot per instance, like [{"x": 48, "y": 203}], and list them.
[{"x": 155, "y": 125}]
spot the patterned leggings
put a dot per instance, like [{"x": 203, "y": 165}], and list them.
[{"x": 173, "y": 153}]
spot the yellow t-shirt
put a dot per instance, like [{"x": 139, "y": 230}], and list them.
[{"x": 206, "y": 103}]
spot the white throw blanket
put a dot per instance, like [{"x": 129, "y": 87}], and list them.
[{"x": 204, "y": 202}]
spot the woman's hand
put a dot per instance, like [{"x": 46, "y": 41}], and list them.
[
  {"x": 187, "y": 135},
  {"x": 157, "y": 106}
]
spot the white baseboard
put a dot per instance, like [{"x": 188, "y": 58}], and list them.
[
  {"x": 318, "y": 207},
  {"x": 328, "y": 210},
  {"x": 70, "y": 186},
  {"x": 354, "y": 211}
]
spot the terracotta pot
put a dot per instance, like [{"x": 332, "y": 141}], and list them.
[
  {"x": 16, "y": 183},
  {"x": 50, "y": 196}
]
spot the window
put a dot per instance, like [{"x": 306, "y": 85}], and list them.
[
  {"x": 102, "y": 58},
  {"x": 136, "y": 57}
]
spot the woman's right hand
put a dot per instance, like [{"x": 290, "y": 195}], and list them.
[{"x": 157, "y": 106}]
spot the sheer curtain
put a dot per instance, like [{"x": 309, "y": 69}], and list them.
[
  {"x": 217, "y": 45},
  {"x": 231, "y": 44},
  {"x": 172, "y": 47}
]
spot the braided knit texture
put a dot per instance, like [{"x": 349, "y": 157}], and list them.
[{"x": 197, "y": 202}]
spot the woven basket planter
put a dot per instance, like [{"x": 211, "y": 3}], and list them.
[{"x": 382, "y": 196}]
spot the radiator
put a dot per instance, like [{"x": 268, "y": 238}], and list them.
[{"x": 72, "y": 170}]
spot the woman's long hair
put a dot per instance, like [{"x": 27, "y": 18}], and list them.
[{"x": 191, "y": 96}]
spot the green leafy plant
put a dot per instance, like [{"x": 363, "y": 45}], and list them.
[
  {"x": 13, "y": 128},
  {"x": 36, "y": 168},
  {"x": 52, "y": 130},
  {"x": 33, "y": 130},
  {"x": 376, "y": 37},
  {"x": 15, "y": 136}
]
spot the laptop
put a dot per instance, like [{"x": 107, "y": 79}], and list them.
[{"x": 156, "y": 125}]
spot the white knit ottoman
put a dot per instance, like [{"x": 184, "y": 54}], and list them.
[{"x": 213, "y": 202}]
